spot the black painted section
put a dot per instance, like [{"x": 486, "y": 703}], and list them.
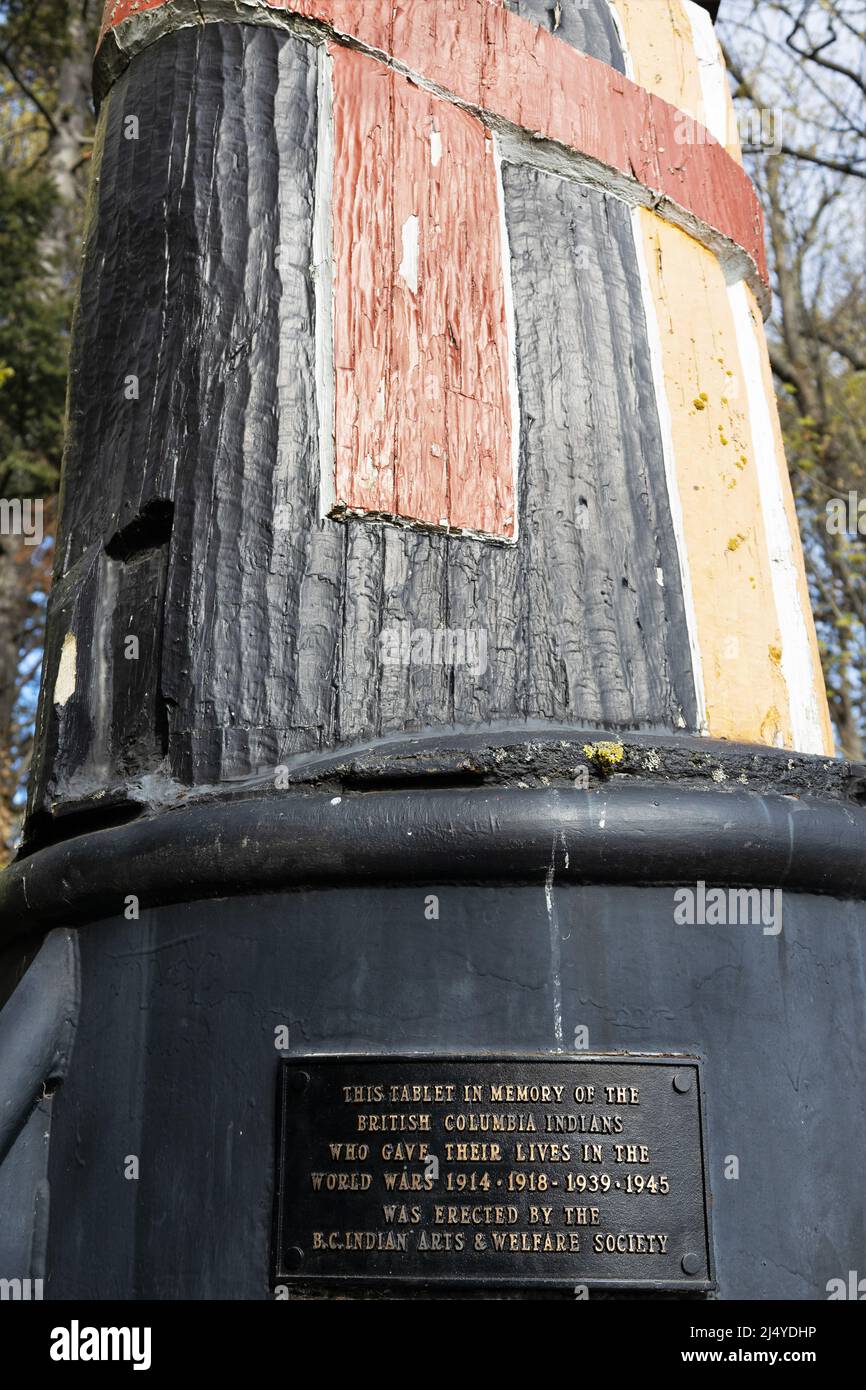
[
  {"x": 181, "y": 288},
  {"x": 175, "y": 1060},
  {"x": 25, "y": 1199},
  {"x": 585, "y": 24},
  {"x": 592, "y": 447},
  {"x": 630, "y": 830},
  {"x": 37, "y": 1032},
  {"x": 190, "y": 515}
]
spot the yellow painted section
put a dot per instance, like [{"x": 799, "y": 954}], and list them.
[
  {"x": 661, "y": 51},
  {"x": 737, "y": 624},
  {"x": 660, "y": 45},
  {"x": 793, "y": 526},
  {"x": 737, "y": 628}
]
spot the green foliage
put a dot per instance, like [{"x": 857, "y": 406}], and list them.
[
  {"x": 34, "y": 341},
  {"x": 34, "y": 40}
]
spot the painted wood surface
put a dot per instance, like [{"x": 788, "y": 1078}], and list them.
[
  {"x": 587, "y": 25},
  {"x": 737, "y": 621},
  {"x": 643, "y": 579},
  {"x": 668, "y": 55},
  {"x": 680, "y": 55},
  {"x": 423, "y": 414},
  {"x": 267, "y": 621},
  {"x": 500, "y": 64},
  {"x": 800, "y": 659}
]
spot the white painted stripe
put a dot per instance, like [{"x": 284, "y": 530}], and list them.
[
  {"x": 797, "y": 666},
  {"x": 323, "y": 280},
  {"x": 620, "y": 32},
  {"x": 667, "y": 434},
  {"x": 714, "y": 83},
  {"x": 798, "y": 669}
]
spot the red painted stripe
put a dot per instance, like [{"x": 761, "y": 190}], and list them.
[
  {"x": 492, "y": 59},
  {"x": 422, "y": 422}
]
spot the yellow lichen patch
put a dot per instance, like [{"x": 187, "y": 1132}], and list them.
[
  {"x": 775, "y": 655},
  {"x": 604, "y": 755},
  {"x": 736, "y": 541}
]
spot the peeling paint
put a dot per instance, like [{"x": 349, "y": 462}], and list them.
[
  {"x": 426, "y": 316},
  {"x": 64, "y": 684},
  {"x": 408, "y": 268},
  {"x": 297, "y": 672},
  {"x": 497, "y": 73}
]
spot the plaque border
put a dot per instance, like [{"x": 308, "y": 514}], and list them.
[{"x": 420, "y": 1282}]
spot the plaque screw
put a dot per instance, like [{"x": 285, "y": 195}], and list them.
[
  {"x": 691, "y": 1263},
  {"x": 295, "y": 1257},
  {"x": 300, "y": 1080},
  {"x": 682, "y": 1081}
]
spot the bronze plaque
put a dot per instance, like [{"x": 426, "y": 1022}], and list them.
[{"x": 493, "y": 1171}]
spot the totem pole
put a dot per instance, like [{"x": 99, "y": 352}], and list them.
[{"x": 436, "y": 870}]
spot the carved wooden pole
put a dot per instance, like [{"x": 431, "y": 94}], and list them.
[{"x": 430, "y": 670}]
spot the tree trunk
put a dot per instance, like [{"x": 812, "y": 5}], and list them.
[{"x": 67, "y": 154}]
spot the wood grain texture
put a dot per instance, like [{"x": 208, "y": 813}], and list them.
[
  {"x": 587, "y": 25},
  {"x": 491, "y": 59},
  {"x": 737, "y": 620},
  {"x": 263, "y": 623},
  {"x": 422, "y": 422},
  {"x": 664, "y": 59},
  {"x": 602, "y": 550}
]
